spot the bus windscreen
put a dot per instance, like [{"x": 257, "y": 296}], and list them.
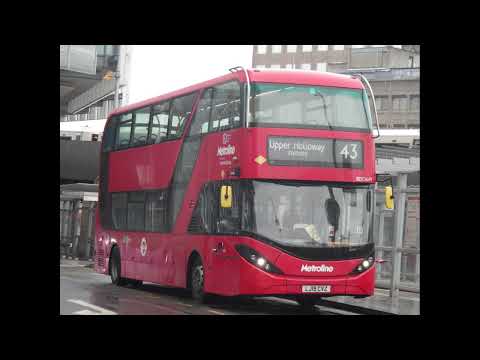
[{"x": 306, "y": 106}]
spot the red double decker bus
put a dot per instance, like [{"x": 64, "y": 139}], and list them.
[{"x": 259, "y": 183}]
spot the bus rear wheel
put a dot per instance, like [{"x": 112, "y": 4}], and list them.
[
  {"x": 115, "y": 268},
  {"x": 197, "y": 280},
  {"x": 135, "y": 283}
]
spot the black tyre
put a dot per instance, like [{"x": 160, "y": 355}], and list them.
[
  {"x": 197, "y": 280},
  {"x": 115, "y": 268},
  {"x": 135, "y": 283}
]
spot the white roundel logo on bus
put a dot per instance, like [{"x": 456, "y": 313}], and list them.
[{"x": 143, "y": 247}]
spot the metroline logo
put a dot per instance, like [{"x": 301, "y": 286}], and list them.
[
  {"x": 310, "y": 268},
  {"x": 227, "y": 150}
]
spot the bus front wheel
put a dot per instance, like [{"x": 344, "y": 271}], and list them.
[
  {"x": 197, "y": 280},
  {"x": 115, "y": 268}
]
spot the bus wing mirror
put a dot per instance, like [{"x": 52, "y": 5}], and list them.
[
  {"x": 388, "y": 197},
  {"x": 226, "y": 196}
]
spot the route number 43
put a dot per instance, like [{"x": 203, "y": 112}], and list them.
[{"x": 352, "y": 154}]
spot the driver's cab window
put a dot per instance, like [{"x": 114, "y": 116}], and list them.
[{"x": 124, "y": 131}]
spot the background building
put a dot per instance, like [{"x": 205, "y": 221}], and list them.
[
  {"x": 87, "y": 76},
  {"x": 392, "y": 70}
]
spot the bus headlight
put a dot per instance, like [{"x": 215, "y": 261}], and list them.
[
  {"x": 364, "y": 265},
  {"x": 253, "y": 257}
]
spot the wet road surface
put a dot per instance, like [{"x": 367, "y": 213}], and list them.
[{"x": 84, "y": 292}]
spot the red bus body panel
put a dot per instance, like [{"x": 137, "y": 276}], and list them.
[
  {"x": 142, "y": 168},
  {"x": 226, "y": 272}
]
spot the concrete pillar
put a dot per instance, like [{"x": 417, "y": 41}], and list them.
[{"x": 400, "y": 202}]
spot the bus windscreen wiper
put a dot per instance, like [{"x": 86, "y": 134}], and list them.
[{"x": 325, "y": 110}]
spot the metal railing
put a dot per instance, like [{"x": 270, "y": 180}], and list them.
[
  {"x": 77, "y": 222},
  {"x": 96, "y": 93},
  {"x": 397, "y": 239}
]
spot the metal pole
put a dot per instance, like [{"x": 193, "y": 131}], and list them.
[
  {"x": 398, "y": 233},
  {"x": 117, "y": 78},
  {"x": 117, "y": 83}
]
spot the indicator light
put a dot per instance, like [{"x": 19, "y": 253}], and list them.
[{"x": 260, "y": 160}]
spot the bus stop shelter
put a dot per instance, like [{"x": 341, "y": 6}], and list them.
[{"x": 77, "y": 220}]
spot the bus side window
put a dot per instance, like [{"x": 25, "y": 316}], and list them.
[
  {"x": 119, "y": 211},
  {"x": 156, "y": 211},
  {"x": 226, "y": 111},
  {"x": 140, "y": 126},
  {"x": 159, "y": 122},
  {"x": 202, "y": 115},
  {"x": 136, "y": 211},
  {"x": 181, "y": 110},
  {"x": 124, "y": 131},
  {"x": 109, "y": 135}
]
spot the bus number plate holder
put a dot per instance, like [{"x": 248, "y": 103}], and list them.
[{"x": 316, "y": 288}]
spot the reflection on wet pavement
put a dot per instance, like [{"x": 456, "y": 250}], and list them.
[{"x": 151, "y": 299}]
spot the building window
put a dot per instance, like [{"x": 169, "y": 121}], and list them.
[
  {"x": 414, "y": 103},
  {"x": 291, "y": 48},
  {"x": 100, "y": 50},
  {"x": 322, "y": 66},
  {"x": 276, "y": 49},
  {"x": 382, "y": 103},
  {"x": 261, "y": 49},
  {"x": 322, "y": 47},
  {"x": 399, "y": 103},
  {"x": 306, "y": 66},
  {"x": 338, "y": 47},
  {"x": 307, "y": 48},
  {"x": 358, "y": 46},
  {"x": 289, "y": 66},
  {"x": 275, "y": 66},
  {"x": 259, "y": 66}
]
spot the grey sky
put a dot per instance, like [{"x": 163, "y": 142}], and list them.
[{"x": 157, "y": 69}]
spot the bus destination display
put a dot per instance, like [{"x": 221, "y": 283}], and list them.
[{"x": 300, "y": 151}]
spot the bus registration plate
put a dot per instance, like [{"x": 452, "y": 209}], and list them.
[{"x": 316, "y": 288}]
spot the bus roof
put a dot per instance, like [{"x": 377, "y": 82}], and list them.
[{"x": 286, "y": 76}]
